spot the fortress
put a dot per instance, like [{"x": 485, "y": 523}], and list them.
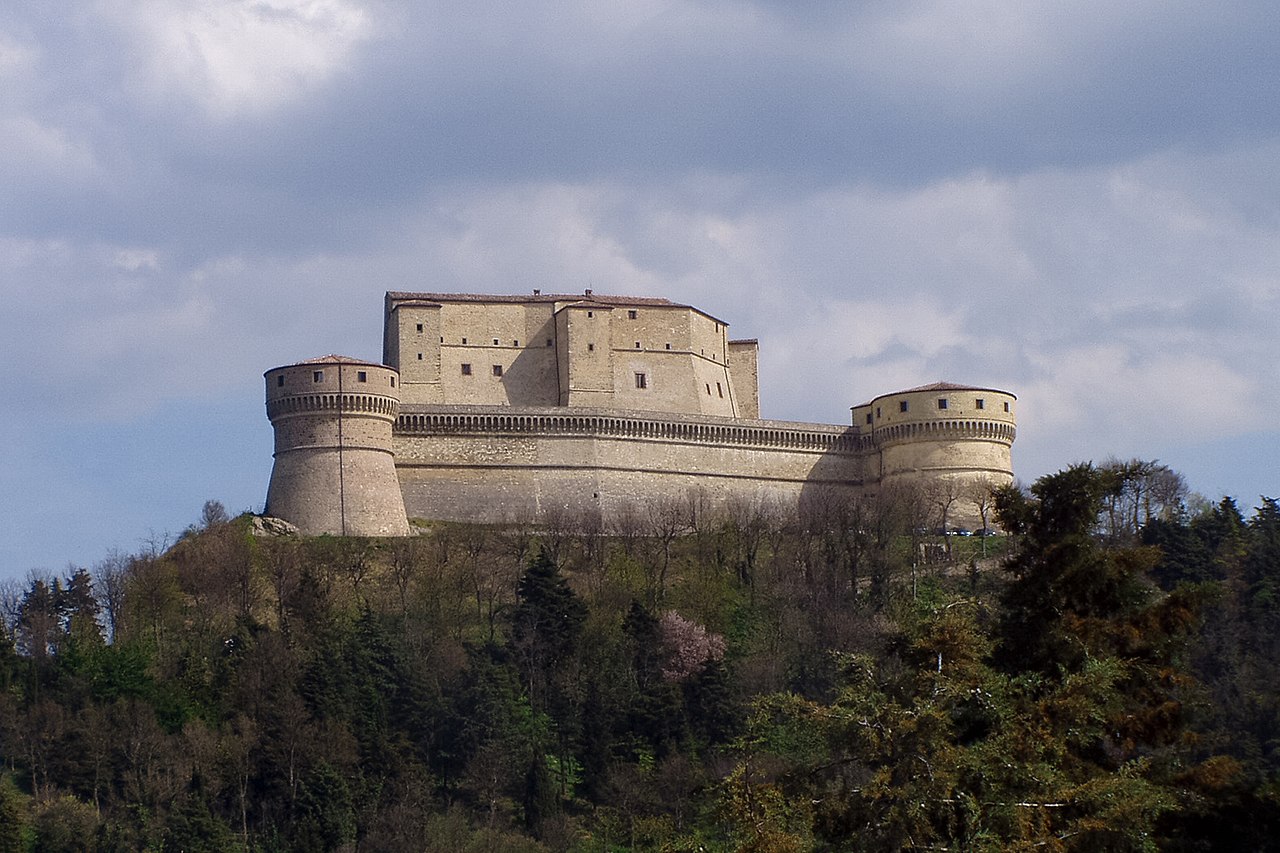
[{"x": 534, "y": 408}]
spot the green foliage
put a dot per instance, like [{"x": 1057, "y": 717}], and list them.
[{"x": 482, "y": 689}]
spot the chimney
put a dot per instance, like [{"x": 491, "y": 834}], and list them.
[
  {"x": 537, "y": 292},
  {"x": 588, "y": 291}
]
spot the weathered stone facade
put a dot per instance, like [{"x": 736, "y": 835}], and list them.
[{"x": 509, "y": 408}]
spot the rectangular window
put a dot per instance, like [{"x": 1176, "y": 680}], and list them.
[
  {"x": 466, "y": 370},
  {"x": 419, "y": 328},
  {"x": 393, "y": 382},
  {"x": 708, "y": 389},
  {"x": 868, "y": 418},
  {"x": 668, "y": 346},
  {"x": 515, "y": 343},
  {"x": 720, "y": 390},
  {"x": 877, "y": 411},
  {"x": 1006, "y": 407},
  {"x": 942, "y": 402},
  {"x": 280, "y": 381},
  {"x": 419, "y": 356},
  {"x": 902, "y": 406},
  {"x": 362, "y": 376},
  {"x": 980, "y": 403},
  {"x": 642, "y": 381},
  {"x": 637, "y": 345},
  {"x": 591, "y": 347},
  {"x": 631, "y": 315},
  {"x": 317, "y": 376},
  {"x": 497, "y": 370},
  {"x": 548, "y": 341},
  {"x": 495, "y": 342},
  {"x": 591, "y": 314},
  {"x": 464, "y": 342}
]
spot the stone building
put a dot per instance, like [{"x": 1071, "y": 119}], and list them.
[{"x": 509, "y": 408}]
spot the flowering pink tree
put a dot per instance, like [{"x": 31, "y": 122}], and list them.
[{"x": 688, "y": 646}]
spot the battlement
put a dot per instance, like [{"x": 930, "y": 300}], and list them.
[{"x": 503, "y": 407}]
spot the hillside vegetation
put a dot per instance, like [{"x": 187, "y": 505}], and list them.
[{"x": 1103, "y": 677}]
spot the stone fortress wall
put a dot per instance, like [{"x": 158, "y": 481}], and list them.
[{"x": 533, "y": 408}]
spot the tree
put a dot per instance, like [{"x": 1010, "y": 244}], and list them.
[{"x": 545, "y": 624}]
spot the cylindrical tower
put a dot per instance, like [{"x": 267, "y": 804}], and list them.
[
  {"x": 334, "y": 471},
  {"x": 955, "y": 437}
]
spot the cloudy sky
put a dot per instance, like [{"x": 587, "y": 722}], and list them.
[{"x": 1077, "y": 201}]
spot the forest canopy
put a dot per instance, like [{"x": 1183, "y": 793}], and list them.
[{"x": 1100, "y": 676}]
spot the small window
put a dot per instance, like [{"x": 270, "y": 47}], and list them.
[
  {"x": 708, "y": 390},
  {"x": 466, "y": 370},
  {"x": 419, "y": 328},
  {"x": 868, "y": 417},
  {"x": 877, "y": 411},
  {"x": 591, "y": 347},
  {"x": 1006, "y": 407},
  {"x": 362, "y": 376},
  {"x": 642, "y": 381},
  {"x": 942, "y": 402},
  {"x": 637, "y": 345},
  {"x": 497, "y": 370},
  {"x": 317, "y": 376},
  {"x": 464, "y": 342},
  {"x": 979, "y": 403},
  {"x": 548, "y": 341},
  {"x": 442, "y": 339},
  {"x": 720, "y": 390},
  {"x": 280, "y": 381},
  {"x": 668, "y": 346},
  {"x": 591, "y": 314},
  {"x": 393, "y": 382},
  {"x": 902, "y": 405},
  {"x": 419, "y": 356},
  {"x": 515, "y": 343},
  {"x": 631, "y": 315},
  {"x": 495, "y": 342}
]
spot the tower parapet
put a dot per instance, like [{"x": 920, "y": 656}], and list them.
[{"x": 334, "y": 471}]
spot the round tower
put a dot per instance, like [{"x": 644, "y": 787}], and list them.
[
  {"x": 956, "y": 437},
  {"x": 334, "y": 470}
]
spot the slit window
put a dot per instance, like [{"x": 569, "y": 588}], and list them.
[
  {"x": 720, "y": 390},
  {"x": 466, "y": 370},
  {"x": 708, "y": 389},
  {"x": 642, "y": 380}
]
